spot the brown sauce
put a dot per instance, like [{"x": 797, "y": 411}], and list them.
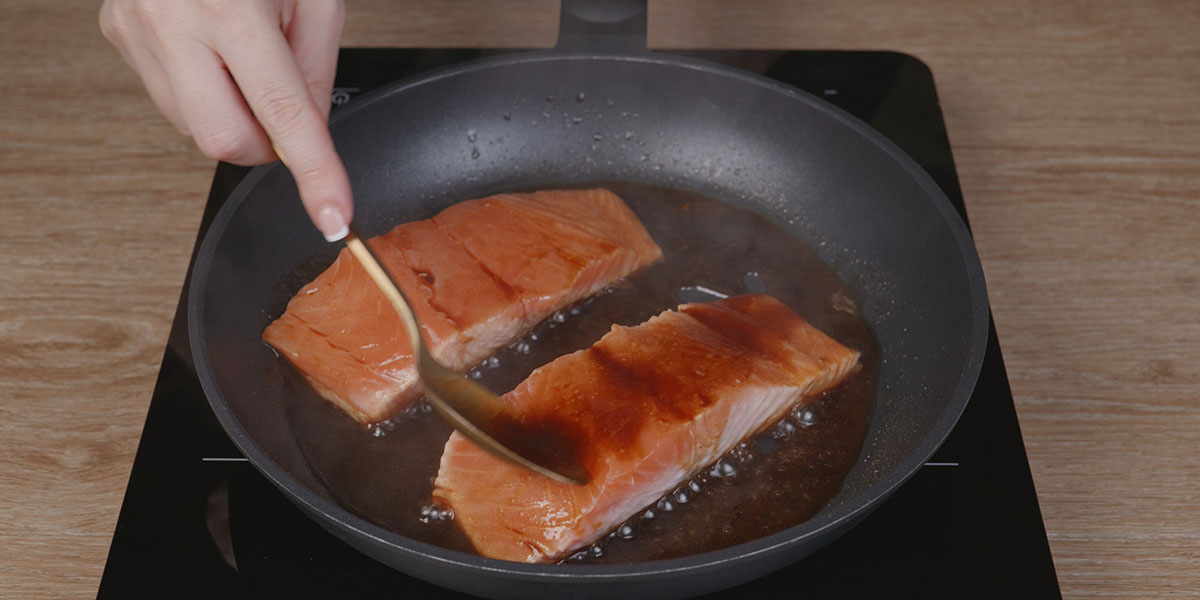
[{"x": 773, "y": 481}]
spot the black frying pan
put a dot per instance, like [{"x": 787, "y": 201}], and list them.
[{"x": 865, "y": 208}]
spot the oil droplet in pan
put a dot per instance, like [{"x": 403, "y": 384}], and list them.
[
  {"x": 682, "y": 495},
  {"x": 783, "y": 429},
  {"x": 726, "y": 467},
  {"x": 433, "y": 513},
  {"x": 805, "y": 415},
  {"x": 625, "y": 531},
  {"x": 753, "y": 283}
]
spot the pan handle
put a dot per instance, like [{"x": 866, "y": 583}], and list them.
[{"x": 602, "y": 26}]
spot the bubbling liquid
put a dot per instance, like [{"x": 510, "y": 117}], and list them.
[{"x": 772, "y": 481}]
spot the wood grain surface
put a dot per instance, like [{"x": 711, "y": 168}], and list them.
[{"x": 1075, "y": 127}]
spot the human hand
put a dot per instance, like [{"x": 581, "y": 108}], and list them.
[{"x": 249, "y": 81}]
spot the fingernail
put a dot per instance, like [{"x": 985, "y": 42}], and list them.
[{"x": 331, "y": 223}]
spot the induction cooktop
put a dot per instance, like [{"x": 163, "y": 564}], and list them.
[{"x": 198, "y": 521}]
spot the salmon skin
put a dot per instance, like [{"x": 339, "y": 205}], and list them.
[
  {"x": 478, "y": 276},
  {"x": 648, "y": 407}
]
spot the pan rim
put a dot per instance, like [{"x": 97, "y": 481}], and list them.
[{"x": 824, "y": 520}]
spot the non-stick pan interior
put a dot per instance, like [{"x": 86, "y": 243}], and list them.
[{"x": 547, "y": 120}]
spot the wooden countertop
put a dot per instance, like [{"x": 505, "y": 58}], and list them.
[{"x": 1077, "y": 137}]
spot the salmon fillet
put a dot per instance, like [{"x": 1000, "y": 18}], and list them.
[
  {"x": 478, "y": 276},
  {"x": 648, "y": 407}
]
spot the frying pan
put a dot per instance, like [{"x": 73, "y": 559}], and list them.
[{"x": 415, "y": 147}]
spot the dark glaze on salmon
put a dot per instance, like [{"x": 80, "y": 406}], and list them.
[{"x": 653, "y": 404}]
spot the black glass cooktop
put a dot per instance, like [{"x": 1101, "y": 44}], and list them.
[{"x": 200, "y": 522}]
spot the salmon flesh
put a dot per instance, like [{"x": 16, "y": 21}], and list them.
[
  {"x": 648, "y": 407},
  {"x": 478, "y": 276}
]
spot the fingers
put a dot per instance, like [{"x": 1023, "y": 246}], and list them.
[
  {"x": 155, "y": 79},
  {"x": 118, "y": 24},
  {"x": 278, "y": 93},
  {"x": 242, "y": 77},
  {"x": 212, "y": 107},
  {"x": 313, "y": 35},
  {"x": 164, "y": 43}
]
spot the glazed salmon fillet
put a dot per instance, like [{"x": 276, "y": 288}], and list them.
[
  {"x": 478, "y": 276},
  {"x": 648, "y": 407}
]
